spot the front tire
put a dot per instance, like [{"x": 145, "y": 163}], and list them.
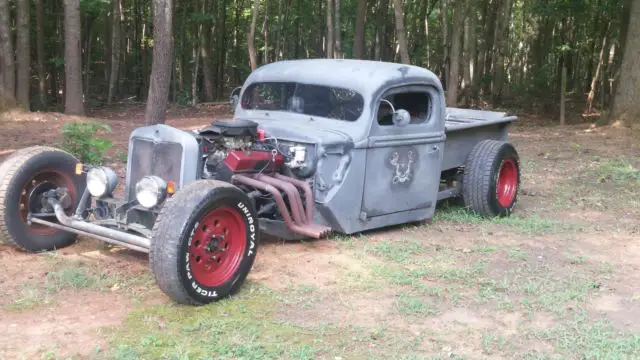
[
  {"x": 24, "y": 177},
  {"x": 204, "y": 242},
  {"x": 491, "y": 179}
]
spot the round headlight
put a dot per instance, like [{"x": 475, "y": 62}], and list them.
[
  {"x": 150, "y": 191},
  {"x": 101, "y": 181}
]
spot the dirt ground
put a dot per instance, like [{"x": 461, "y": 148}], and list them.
[{"x": 557, "y": 280}]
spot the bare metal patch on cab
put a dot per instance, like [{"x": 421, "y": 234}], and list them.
[{"x": 402, "y": 164}]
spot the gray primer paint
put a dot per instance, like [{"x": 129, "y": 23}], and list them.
[
  {"x": 190, "y": 169},
  {"x": 354, "y": 184}
]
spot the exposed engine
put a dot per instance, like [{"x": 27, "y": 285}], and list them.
[
  {"x": 271, "y": 171},
  {"x": 238, "y": 146},
  {"x": 232, "y": 147}
]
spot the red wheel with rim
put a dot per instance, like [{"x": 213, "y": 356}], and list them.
[
  {"x": 491, "y": 178},
  {"x": 507, "y": 183},
  {"x": 24, "y": 178},
  {"x": 31, "y": 197},
  {"x": 217, "y": 247},
  {"x": 204, "y": 242}
]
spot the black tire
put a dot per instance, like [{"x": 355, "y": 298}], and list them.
[
  {"x": 180, "y": 234},
  {"x": 40, "y": 164},
  {"x": 482, "y": 189}
]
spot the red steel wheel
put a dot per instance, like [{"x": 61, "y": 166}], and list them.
[
  {"x": 491, "y": 178},
  {"x": 217, "y": 247},
  {"x": 204, "y": 242},
  {"x": 507, "y": 183},
  {"x": 31, "y": 197},
  {"x": 24, "y": 178}
]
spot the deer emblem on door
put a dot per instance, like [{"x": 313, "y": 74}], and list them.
[{"x": 402, "y": 166}]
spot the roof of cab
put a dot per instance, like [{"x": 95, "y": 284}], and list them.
[{"x": 364, "y": 76}]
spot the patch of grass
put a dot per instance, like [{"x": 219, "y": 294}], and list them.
[
  {"x": 556, "y": 295},
  {"x": 399, "y": 251},
  {"x": 70, "y": 275},
  {"x": 484, "y": 249},
  {"x": 582, "y": 339},
  {"x": 490, "y": 289},
  {"x": 412, "y": 305},
  {"x": 576, "y": 259},
  {"x": 30, "y": 295},
  {"x": 301, "y": 295},
  {"x": 530, "y": 225},
  {"x": 492, "y": 342},
  {"x": 236, "y": 328},
  {"x": 601, "y": 185},
  {"x": 517, "y": 254},
  {"x": 619, "y": 171}
]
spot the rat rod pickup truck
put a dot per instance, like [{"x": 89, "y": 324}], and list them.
[{"x": 315, "y": 146}]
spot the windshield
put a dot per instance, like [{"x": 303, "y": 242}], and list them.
[{"x": 313, "y": 100}]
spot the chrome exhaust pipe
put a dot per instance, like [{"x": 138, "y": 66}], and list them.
[
  {"x": 84, "y": 233},
  {"x": 135, "y": 242}
]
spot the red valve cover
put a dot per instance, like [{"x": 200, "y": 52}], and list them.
[{"x": 253, "y": 161}]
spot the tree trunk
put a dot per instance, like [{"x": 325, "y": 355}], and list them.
[
  {"x": 265, "y": 33},
  {"x": 609, "y": 75},
  {"x": 320, "y": 33},
  {"x": 251, "y": 36},
  {"x": 491, "y": 11},
  {"x": 330, "y": 42},
  {"x": 196, "y": 70},
  {"x": 206, "y": 59},
  {"x": 502, "y": 28},
  {"x": 456, "y": 37},
  {"x": 594, "y": 81},
  {"x": 444, "y": 19},
  {"x": 23, "y": 57},
  {"x": 337, "y": 34},
  {"x": 73, "y": 96},
  {"x": 42, "y": 84},
  {"x": 626, "y": 109},
  {"x": 115, "y": 49},
  {"x": 358, "y": 42},
  {"x": 282, "y": 19},
  {"x": 7, "y": 63},
  {"x": 161, "y": 66},
  {"x": 400, "y": 33},
  {"x": 563, "y": 93},
  {"x": 87, "y": 64},
  {"x": 469, "y": 51}
]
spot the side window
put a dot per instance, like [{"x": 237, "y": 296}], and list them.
[{"x": 417, "y": 103}]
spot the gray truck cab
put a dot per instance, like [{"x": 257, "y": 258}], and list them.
[{"x": 375, "y": 132}]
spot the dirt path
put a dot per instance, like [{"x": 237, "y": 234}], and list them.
[{"x": 531, "y": 286}]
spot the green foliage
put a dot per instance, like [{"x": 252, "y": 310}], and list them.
[
  {"x": 83, "y": 141},
  {"x": 619, "y": 170}
]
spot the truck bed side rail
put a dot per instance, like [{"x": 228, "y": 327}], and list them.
[{"x": 460, "y": 119}]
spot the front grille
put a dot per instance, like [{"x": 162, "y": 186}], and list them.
[{"x": 163, "y": 159}]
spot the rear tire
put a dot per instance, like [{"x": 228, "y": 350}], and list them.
[
  {"x": 204, "y": 242},
  {"x": 25, "y": 175},
  {"x": 491, "y": 179}
]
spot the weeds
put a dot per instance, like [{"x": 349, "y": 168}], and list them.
[
  {"x": 619, "y": 171},
  {"x": 83, "y": 140},
  {"x": 530, "y": 225}
]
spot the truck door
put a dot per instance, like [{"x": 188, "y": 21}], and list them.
[{"x": 404, "y": 162}]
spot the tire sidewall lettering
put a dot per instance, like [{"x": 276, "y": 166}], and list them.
[
  {"x": 244, "y": 209},
  {"x": 213, "y": 293}
]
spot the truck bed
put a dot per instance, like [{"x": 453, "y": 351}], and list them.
[
  {"x": 466, "y": 127},
  {"x": 459, "y": 119}
]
